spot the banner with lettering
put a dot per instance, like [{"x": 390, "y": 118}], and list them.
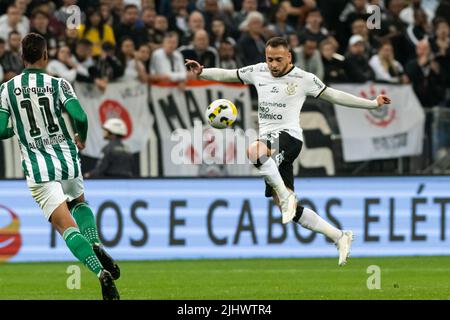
[
  {"x": 392, "y": 131},
  {"x": 230, "y": 218},
  {"x": 189, "y": 146},
  {"x": 125, "y": 100}
]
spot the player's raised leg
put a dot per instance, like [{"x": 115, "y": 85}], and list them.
[
  {"x": 259, "y": 155},
  {"x": 84, "y": 217}
]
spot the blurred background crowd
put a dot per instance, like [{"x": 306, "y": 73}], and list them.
[
  {"x": 341, "y": 41},
  {"x": 149, "y": 39}
]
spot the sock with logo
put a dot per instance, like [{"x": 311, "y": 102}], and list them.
[
  {"x": 86, "y": 222},
  {"x": 82, "y": 250},
  {"x": 312, "y": 221}
]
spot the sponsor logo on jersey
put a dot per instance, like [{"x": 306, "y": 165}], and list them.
[
  {"x": 317, "y": 82},
  {"x": 262, "y": 84},
  {"x": 36, "y": 90},
  {"x": 272, "y": 104},
  {"x": 274, "y": 90},
  {"x": 10, "y": 238},
  {"x": 244, "y": 70}
]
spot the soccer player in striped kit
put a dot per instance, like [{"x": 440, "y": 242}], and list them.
[{"x": 34, "y": 100}]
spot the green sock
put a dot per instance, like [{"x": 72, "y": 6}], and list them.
[
  {"x": 82, "y": 250},
  {"x": 86, "y": 222}
]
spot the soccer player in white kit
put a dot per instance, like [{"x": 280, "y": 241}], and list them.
[{"x": 282, "y": 88}]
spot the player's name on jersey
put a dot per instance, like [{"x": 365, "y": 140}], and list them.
[
  {"x": 36, "y": 90},
  {"x": 51, "y": 140}
]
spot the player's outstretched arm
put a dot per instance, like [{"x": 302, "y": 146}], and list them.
[
  {"x": 215, "y": 74},
  {"x": 5, "y": 132},
  {"x": 352, "y": 101}
]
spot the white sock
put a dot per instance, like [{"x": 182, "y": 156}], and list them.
[
  {"x": 269, "y": 171},
  {"x": 312, "y": 221}
]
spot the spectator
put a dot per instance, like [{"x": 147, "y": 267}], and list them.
[
  {"x": 251, "y": 44},
  {"x": 385, "y": 67},
  {"x": 160, "y": 29},
  {"x": 130, "y": 26},
  {"x": 417, "y": 31},
  {"x": 308, "y": 58},
  {"x": 333, "y": 63},
  {"x": 440, "y": 42},
  {"x": 86, "y": 69},
  {"x": 39, "y": 25},
  {"x": 213, "y": 9},
  {"x": 247, "y": 7},
  {"x": 11, "y": 60},
  {"x": 297, "y": 11},
  {"x": 408, "y": 14},
  {"x": 201, "y": 51},
  {"x": 219, "y": 33},
  {"x": 359, "y": 27},
  {"x": 96, "y": 31},
  {"x": 148, "y": 19},
  {"x": 143, "y": 55},
  {"x": 13, "y": 20},
  {"x": 117, "y": 160},
  {"x": 440, "y": 45},
  {"x": 178, "y": 17},
  {"x": 426, "y": 76},
  {"x": 196, "y": 22},
  {"x": 134, "y": 69},
  {"x": 55, "y": 27},
  {"x": 227, "y": 58},
  {"x": 355, "y": 9},
  {"x": 279, "y": 26},
  {"x": 356, "y": 62},
  {"x": 167, "y": 63},
  {"x": 64, "y": 66},
  {"x": 313, "y": 28},
  {"x": 108, "y": 66},
  {"x": 393, "y": 29}
]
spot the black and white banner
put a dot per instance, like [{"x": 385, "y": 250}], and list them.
[
  {"x": 392, "y": 131},
  {"x": 189, "y": 146}
]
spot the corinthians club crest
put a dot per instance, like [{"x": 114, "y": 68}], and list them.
[{"x": 290, "y": 88}]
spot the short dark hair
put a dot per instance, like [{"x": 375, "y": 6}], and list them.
[
  {"x": 276, "y": 42},
  {"x": 33, "y": 47},
  {"x": 130, "y": 6},
  {"x": 85, "y": 42}
]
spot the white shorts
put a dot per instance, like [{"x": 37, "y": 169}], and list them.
[{"x": 50, "y": 195}]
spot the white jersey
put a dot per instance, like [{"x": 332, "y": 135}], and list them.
[
  {"x": 35, "y": 102},
  {"x": 280, "y": 99}
]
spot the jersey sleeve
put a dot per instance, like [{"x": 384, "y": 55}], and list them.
[
  {"x": 313, "y": 85},
  {"x": 66, "y": 91},
  {"x": 247, "y": 74},
  {"x": 3, "y": 100}
]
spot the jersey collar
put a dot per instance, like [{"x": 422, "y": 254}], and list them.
[{"x": 33, "y": 70}]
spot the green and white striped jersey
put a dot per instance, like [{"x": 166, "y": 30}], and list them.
[{"x": 35, "y": 101}]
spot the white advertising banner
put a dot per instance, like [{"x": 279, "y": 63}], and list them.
[
  {"x": 125, "y": 100},
  {"x": 189, "y": 147},
  {"x": 392, "y": 131}
]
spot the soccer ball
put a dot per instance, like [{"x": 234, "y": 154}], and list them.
[{"x": 221, "y": 113}]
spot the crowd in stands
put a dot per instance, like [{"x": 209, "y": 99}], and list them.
[{"x": 148, "y": 40}]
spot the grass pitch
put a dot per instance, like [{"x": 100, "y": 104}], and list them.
[{"x": 401, "y": 278}]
